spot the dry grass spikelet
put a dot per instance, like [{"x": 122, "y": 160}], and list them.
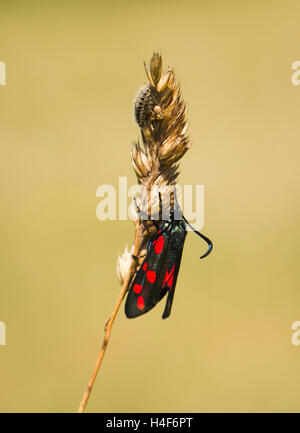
[
  {"x": 161, "y": 115},
  {"x": 123, "y": 264}
]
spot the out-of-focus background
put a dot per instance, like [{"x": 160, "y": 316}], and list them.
[{"x": 66, "y": 127}]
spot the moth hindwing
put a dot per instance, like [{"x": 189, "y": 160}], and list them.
[{"x": 158, "y": 273}]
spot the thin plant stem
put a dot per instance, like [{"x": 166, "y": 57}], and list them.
[{"x": 109, "y": 324}]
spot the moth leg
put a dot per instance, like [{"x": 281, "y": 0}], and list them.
[
  {"x": 138, "y": 257},
  {"x": 156, "y": 225}
]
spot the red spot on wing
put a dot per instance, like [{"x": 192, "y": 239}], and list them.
[
  {"x": 137, "y": 288},
  {"x": 151, "y": 276},
  {"x": 159, "y": 244},
  {"x": 145, "y": 266},
  {"x": 169, "y": 277},
  {"x": 140, "y": 303}
]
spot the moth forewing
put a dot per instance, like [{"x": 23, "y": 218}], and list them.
[{"x": 158, "y": 272}]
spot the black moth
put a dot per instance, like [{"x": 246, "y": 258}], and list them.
[{"x": 158, "y": 273}]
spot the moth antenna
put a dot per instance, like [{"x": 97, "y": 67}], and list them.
[
  {"x": 160, "y": 206},
  {"x": 208, "y": 241},
  {"x": 141, "y": 212}
]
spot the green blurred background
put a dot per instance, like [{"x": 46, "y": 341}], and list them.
[{"x": 66, "y": 127}]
